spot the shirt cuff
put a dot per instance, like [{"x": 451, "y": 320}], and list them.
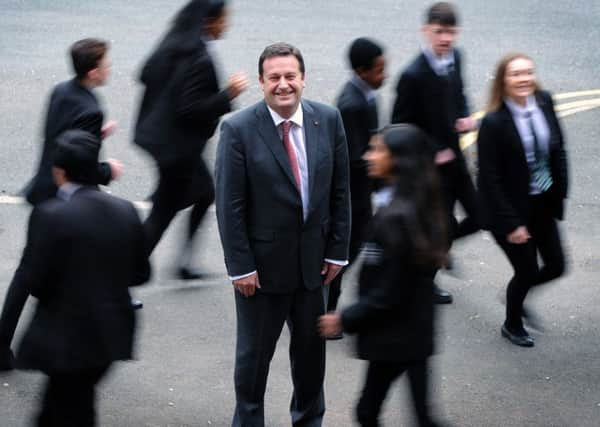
[
  {"x": 241, "y": 276},
  {"x": 336, "y": 262}
]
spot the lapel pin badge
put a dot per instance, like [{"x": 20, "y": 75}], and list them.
[{"x": 316, "y": 123}]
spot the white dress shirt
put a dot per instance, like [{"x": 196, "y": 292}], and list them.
[
  {"x": 439, "y": 64},
  {"x": 540, "y": 125},
  {"x": 369, "y": 93},
  {"x": 67, "y": 190}
]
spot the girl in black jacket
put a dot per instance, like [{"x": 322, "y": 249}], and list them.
[
  {"x": 522, "y": 184},
  {"x": 180, "y": 110},
  {"x": 405, "y": 244}
]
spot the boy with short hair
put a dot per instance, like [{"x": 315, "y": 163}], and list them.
[
  {"x": 430, "y": 95},
  {"x": 72, "y": 106},
  {"x": 357, "y": 103}
]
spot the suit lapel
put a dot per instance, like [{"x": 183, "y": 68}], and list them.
[
  {"x": 311, "y": 139},
  {"x": 271, "y": 138},
  {"x": 513, "y": 133}
]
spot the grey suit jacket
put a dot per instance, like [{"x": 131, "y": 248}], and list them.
[{"x": 259, "y": 209}]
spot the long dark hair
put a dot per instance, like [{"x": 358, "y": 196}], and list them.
[
  {"x": 183, "y": 37},
  {"x": 415, "y": 217}
]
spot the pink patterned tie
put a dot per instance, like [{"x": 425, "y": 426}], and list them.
[{"x": 289, "y": 148}]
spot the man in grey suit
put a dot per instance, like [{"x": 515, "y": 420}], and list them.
[{"x": 284, "y": 219}]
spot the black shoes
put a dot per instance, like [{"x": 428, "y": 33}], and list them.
[
  {"x": 521, "y": 338},
  {"x": 441, "y": 296},
  {"x": 336, "y": 337},
  {"x": 137, "y": 304},
  {"x": 7, "y": 360},
  {"x": 185, "y": 273}
]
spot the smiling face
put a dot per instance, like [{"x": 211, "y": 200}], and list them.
[
  {"x": 282, "y": 83},
  {"x": 519, "y": 80}
]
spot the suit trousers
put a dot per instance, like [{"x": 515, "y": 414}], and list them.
[
  {"x": 545, "y": 239},
  {"x": 380, "y": 376},
  {"x": 457, "y": 185},
  {"x": 260, "y": 319},
  {"x": 180, "y": 185},
  {"x": 69, "y": 399}
]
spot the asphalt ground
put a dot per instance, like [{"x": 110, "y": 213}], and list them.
[{"x": 183, "y": 374}]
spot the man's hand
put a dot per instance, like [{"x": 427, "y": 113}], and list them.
[
  {"x": 444, "y": 156},
  {"x": 519, "y": 235},
  {"x": 330, "y": 325},
  {"x": 109, "y": 128},
  {"x": 247, "y": 285},
  {"x": 116, "y": 168},
  {"x": 238, "y": 83},
  {"x": 330, "y": 270},
  {"x": 465, "y": 124}
]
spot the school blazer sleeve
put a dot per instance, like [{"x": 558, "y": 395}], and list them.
[
  {"x": 39, "y": 264},
  {"x": 199, "y": 98}
]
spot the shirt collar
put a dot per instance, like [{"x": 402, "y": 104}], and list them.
[
  {"x": 438, "y": 63},
  {"x": 296, "y": 118},
  {"x": 383, "y": 197},
  {"x": 365, "y": 88},
  {"x": 518, "y": 110},
  {"x": 66, "y": 191}
]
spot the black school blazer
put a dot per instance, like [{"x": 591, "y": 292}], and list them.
[{"x": 504, "y": 176}]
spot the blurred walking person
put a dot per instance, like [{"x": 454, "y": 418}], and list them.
[
  {"x": 405, "y": 244},
  {"x": 357, "y": 103},
  {"x": 84, "y": 249},
  {"x": 430, "y": 94},
  {"x": 522, "y": 182},
  {"x": 72, "y": 105},
  {"x": 180, "y": 110}
]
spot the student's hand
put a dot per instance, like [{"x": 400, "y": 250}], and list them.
[
  {"x": 109, "y": 128},
  {"x": 116, "y": 168},
  {"x": 444, "y": 156},
  {"x": 465, "y": 124},
  {"x": 238, "y": 83},
  {"x": 519, "y": 235},
  {"x": 330, "y": 270},
  {"x": 330, "y": 325},
  {"x": 247, "y": 285}
]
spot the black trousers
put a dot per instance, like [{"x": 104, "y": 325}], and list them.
[
  {"x": 380, "y": 376},
  {"x": 362, "y": 212},
  {"x": 457, "y": 185},
  {"x": 545, "y": 240},
  {"x": 16, "y": 296},
  {"x": 181, "y": 185},
  {"x": 260, "y": 319},
  {"x": 69, "y": 399}
]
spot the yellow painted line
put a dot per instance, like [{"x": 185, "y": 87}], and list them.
[
  {"x": 577, "y": 104},
  {"x": 567, "y": 95},
  {"x": 11, "y": 200},
  {"x": 577, "y": 110}
]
